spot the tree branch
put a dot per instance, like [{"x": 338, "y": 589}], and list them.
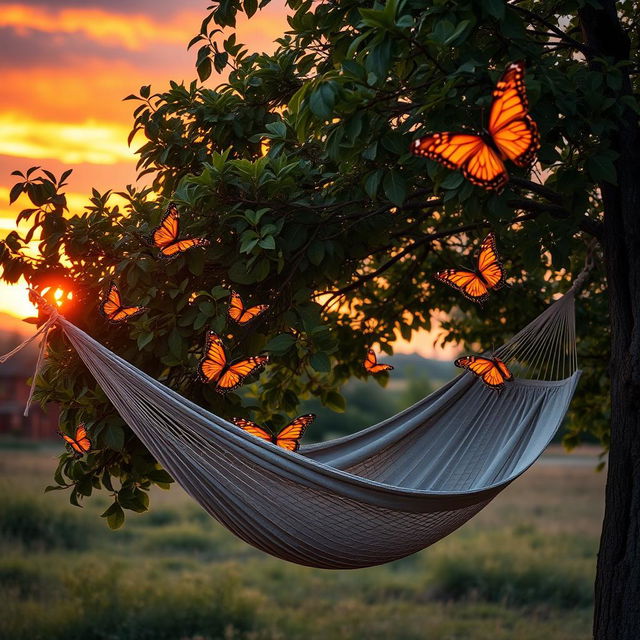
[
  {"x": 535, "y": 187},
  {"x": 579, "y": 46},
  {"x": 534, "y": 208}
]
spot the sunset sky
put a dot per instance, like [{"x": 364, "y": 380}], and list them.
[{"x": 65, "y": 68}]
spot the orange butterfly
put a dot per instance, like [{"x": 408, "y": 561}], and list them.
[
  {"x": 113, "y": 309},
  {"x": 165, "y": 235},
  {"x": 371, "y": 363},
  {"x": 492, "y": 371},
  {"x": 287, "y": 438},
  {"x": 489, "y": 274},
  {"x": 241, "y": 314},
  {"x": 80, "y": 443},
  {"x": 512, "y": 134},
  {"x": 214, "y": 366}
]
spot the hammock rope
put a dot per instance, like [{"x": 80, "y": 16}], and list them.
[{"x": 370, "y": 497}]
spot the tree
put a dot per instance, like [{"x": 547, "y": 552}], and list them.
[{"x": 298, "y": 170}]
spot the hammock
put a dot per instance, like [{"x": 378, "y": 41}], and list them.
[{"x": 368, "y": 498}]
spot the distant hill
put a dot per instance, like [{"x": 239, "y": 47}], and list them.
[
  {"x": 412, "y": 365},
  {"x": 412, "y": 379}
]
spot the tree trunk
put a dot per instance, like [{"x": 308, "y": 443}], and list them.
[{"x": 617, "y": 587}]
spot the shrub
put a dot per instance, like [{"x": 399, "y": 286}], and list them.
[{"x": 39, "y": 525}]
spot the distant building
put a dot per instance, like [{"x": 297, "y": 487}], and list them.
[{"x": 14, "y": 391}]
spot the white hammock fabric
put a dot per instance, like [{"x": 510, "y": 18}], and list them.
[{"x": 367, "y": 498}]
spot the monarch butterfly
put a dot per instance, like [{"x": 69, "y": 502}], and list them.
[
  {"x": 488, "y": 274},
  {"x": 492, "y": 371},
  {"x": 287, "y": 438},
  {"x": 371, "y": 363},
  {"x": 80, "y": 443},
  {"x": 165, "y": 235},
  {"x": 214, "y": 366},
  {"x": 241, "y": 314},
  {"x": 113, "y": 309},
  {"x": 512, "y": 133}
]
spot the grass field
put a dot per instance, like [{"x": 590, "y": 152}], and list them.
[{"x": 521, "y": 570}]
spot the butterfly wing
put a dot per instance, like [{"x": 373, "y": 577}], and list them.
[
  {"x": 83, "y": 444},
  {"x": 469, "y": 153},
  {"x": 489, "y": 264},
  {"x": 112, "y": 309},
  {"x": 112, "y": 302},
  {"x": 466, "y": 282},
  {"x": 371, "y": 363},
  {"x": 511, "y": 126},
  {"x": 166, "y": 233},
  {"x": 485, "y": 368},
  {"x": 289, "y": 436},
  {"x": 234, "y": 375},
  {"x": 504, "y": 370},
  {"x": 252, "y": 428},
  {"x": 179, "y": 246},
  {"x": 214, "y": 361},
  {"x": 240, "y": 314},
  {"x": 80, "y": 443},
  {"x": 493, "y": 377}
]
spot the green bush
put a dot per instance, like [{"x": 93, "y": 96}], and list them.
[
  {"x": 39, "y": 525},
  {"x": 160, "y": 517},
  {"x": 180, "y": 538},
  {"x": 512, "y": 580},
  {"x": 21, "y": 579},
  {"x": 95, "y": 601}
]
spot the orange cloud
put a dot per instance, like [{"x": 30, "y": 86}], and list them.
[
  {"x": 89, "y": 141},
  {"x": 131, "y": 31},
  {"x": 134, "y": 32}
]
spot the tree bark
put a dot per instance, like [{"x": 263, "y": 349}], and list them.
[{"x": 617, "y": 586}]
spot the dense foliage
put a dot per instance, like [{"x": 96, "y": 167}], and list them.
[{"x": 298, "y": 170}]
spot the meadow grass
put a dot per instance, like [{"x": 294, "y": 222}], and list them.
[{"x": 522, "y": 569}]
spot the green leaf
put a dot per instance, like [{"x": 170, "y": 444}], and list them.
[
  {"x": 239, "y": 273},
  {"x": 372, "y": 182},
  {"x": 320, "y": 362},
  {"x": 322, "y": 100},
  {"x": 602, "y": 169},
  {"x": 195, "y": 261},
  {"x": 268, "y": 243},
  {"x": 280, "y": 344},
  {"x": 160, "y": 476},
  {"x": 315, "y": 252},
  {"x": 15, "y": 192},
  {"x": 335, "y": 402},
  {"x": 459, "y": 30},
  {"x": 495, "y": 8},
  {"x": 114, "y": 437},
  {"x": 175, "y": 343},
  {"x": 144, "y": 339},
  {"x": 453, "y": 180},
  {"x": 114, "y": 515},
  {"x": 395, "y": 187},
  {"x": 133, "y": 499},
  {"x": 204, "y": 69},
  {"x": 53, "y": 487}
]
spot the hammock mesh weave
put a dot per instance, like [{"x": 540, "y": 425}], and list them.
[{"x": 371, "y": 497}]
